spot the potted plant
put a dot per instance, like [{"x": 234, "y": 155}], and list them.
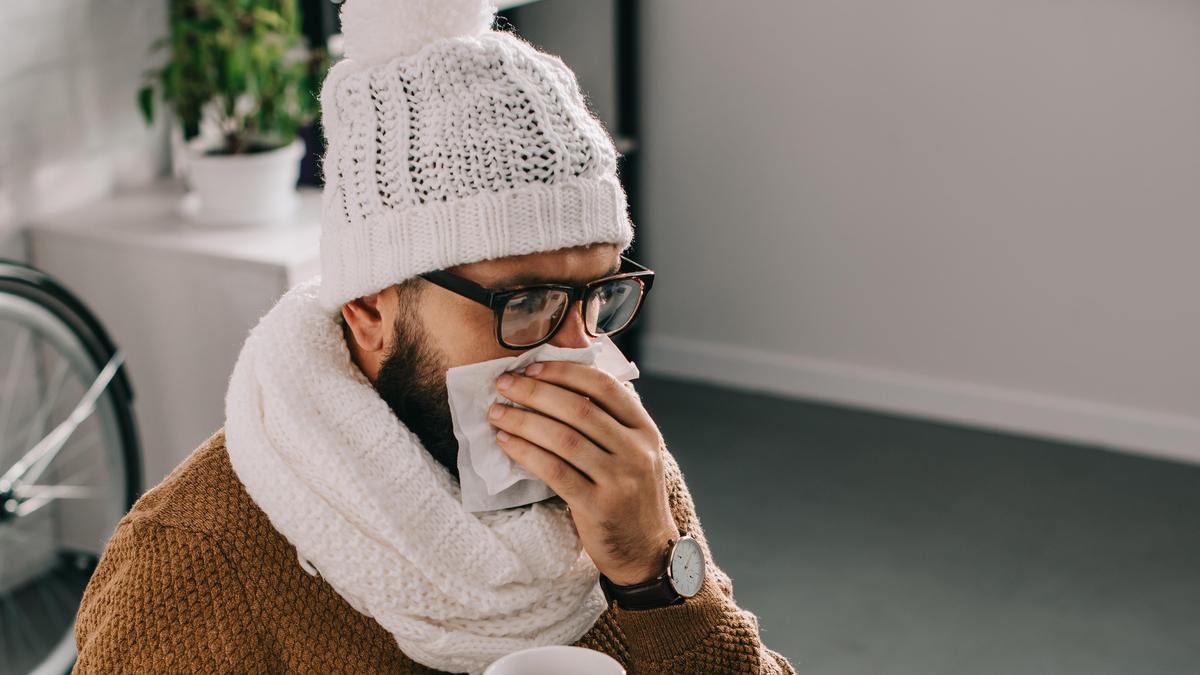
[{"x": 242, "y": 81}]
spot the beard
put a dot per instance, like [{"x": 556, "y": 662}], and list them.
[{"x": 412, "y": 380}]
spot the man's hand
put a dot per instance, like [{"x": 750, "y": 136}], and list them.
[{"x": 594, "y": 444}]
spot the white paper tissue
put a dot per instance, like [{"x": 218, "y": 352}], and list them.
[{"x": 489, "y": 479}]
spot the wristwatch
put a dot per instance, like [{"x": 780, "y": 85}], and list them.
[{"x": 682, "y": 580}]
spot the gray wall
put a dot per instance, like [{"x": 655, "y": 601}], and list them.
[
  {"x": 582, "y": 33},
  {"x": 984, "y": 211},
  {"x": 70, "y": 131}
]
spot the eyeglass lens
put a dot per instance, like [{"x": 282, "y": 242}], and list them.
[{"x": 529, "y": 316}]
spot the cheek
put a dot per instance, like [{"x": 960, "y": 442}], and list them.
[{"x": 464, "y": 334}]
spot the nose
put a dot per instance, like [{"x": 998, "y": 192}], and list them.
[{"x": 572, "y": 333}]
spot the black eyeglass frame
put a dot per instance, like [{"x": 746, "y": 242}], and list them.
[{"x": 497, "y": 299}]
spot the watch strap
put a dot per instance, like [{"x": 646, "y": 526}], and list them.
[
  {"x": 646, "y": 595},
  {"x": 652, "y": 594}
]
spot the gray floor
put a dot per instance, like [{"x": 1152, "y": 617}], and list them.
[{"x": 869, "y": 543}]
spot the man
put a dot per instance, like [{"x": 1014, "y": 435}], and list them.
[{"x": 471, "y": 212}]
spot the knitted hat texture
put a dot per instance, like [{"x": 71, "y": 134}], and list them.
[{"x": 450, "y": 143}]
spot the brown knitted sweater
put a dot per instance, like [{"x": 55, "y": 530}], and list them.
[{"x": 196, "y": 580}]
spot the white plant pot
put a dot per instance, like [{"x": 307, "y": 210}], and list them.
[{"x": 249, "y": 189}]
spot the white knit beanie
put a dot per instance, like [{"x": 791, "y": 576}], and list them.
[{"x": 450, "y": 143}]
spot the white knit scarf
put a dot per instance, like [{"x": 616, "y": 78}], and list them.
[{"x": 353, "y": 489}]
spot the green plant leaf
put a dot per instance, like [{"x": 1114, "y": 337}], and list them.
[
  {"x": 146, "y": 103},
  {"x": 223, "y": 51},
  {"x": 269, "y": 19}
]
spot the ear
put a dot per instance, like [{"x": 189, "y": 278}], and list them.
[{"x": 369, "y": 319}]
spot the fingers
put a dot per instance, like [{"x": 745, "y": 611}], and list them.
[
  {"x": 561, "y": 439},
  {"x": 566, "y": 481},
  {"x": 568, "y": 407},
  {"x": 618, "y": 400}
]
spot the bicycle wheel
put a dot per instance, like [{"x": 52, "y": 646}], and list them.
[{"x": 69, "y": 463}]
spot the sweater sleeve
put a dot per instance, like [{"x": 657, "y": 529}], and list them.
[
  {"x": 164, "y": 599},
  {"x": 708, "y": 633}
]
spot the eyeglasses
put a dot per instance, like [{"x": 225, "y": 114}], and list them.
[{"x": 531, "y": 315}]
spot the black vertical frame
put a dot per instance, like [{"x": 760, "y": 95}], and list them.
[
  {"x": 628, "y": 68},
  {"x": 319, "y": 19}
]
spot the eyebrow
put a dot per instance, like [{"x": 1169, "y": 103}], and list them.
[{"x": 529, "y": 279}]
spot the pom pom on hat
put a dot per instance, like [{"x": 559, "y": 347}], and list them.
[{"x": 375, "y": 31}]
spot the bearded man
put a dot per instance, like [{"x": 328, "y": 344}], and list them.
[{"x": 471, "y": 212}]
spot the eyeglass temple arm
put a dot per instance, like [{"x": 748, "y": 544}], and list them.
[{"x": 461, "y": 285}]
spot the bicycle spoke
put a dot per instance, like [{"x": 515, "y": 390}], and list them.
[
  {"x": 33, "y": 425},
  {"x": 32, "y": 506},
  {"x": 76, "y": 446},
  {"x": 10, "y": 387},
  {"x": 54, "y": 492},
  {"x": 30, "y": 466},
  {"x": 37, "y": 426},
  {"x": 79, "y": 477}
]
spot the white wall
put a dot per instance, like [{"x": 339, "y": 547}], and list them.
[
  {"x": 983, "y": 211},
  {"x": 70, "y": 131}
]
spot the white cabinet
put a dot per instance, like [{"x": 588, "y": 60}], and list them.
[{"x": 179, "y": 299}]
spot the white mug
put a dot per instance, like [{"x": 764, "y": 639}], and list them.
[{"x": 555, "y": 660}]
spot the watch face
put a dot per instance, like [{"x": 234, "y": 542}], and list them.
[{"x": 687, "y": 567}]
